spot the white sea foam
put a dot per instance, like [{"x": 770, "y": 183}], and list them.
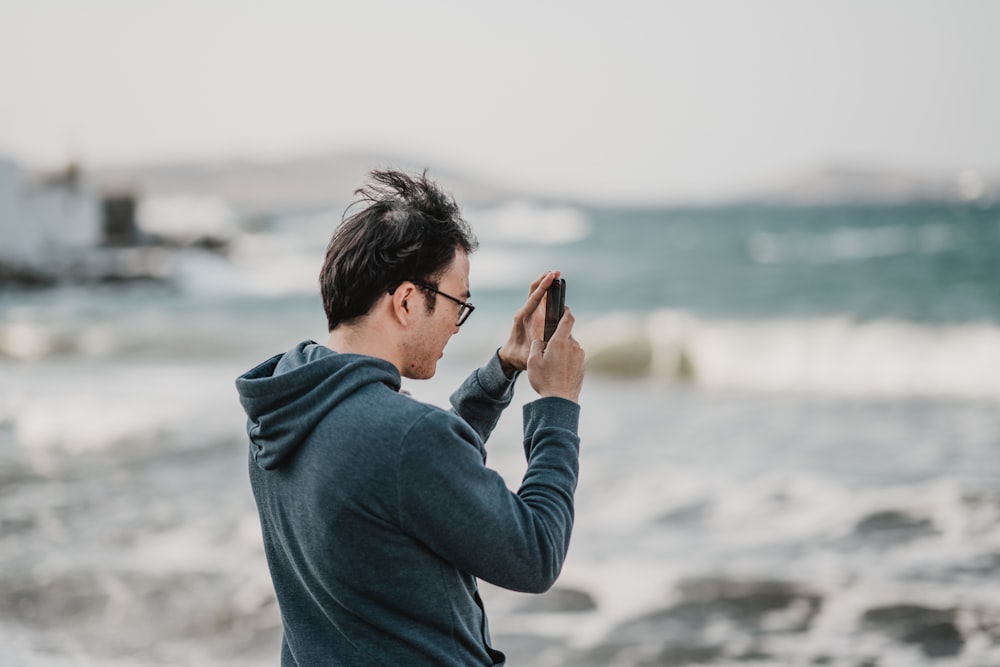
[
  {"x": 848, "y": 244},
  {"x": 789, "y": 527},
  {"x": 524, "y": 222},
  {"x": 22, "y": 340},
  {"x": 826, "y": 355},
  {"x": 493, "y": 269},
  {"x": 77, "y": 410},
  {"x": 187, "y": 218},
  {"x": 265, "y": 265},
  {"x": 31, "y": 341}
]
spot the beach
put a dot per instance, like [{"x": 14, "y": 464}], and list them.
[{"x": 789, "y": 441}]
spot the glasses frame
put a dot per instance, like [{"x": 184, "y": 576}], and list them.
[{"x": 463, "y": 312}]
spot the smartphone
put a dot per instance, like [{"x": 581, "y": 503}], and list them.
[{"x": 555, "y": 303}]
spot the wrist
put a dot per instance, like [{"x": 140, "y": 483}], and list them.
[{"x": 509, "y": 369}]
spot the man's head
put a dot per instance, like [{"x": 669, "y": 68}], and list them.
[{"x": 407, "y": 230}]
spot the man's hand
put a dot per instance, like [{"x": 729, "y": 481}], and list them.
[
  {"x": 529, "y": 322},
  {"x": 556, "y": 368}
]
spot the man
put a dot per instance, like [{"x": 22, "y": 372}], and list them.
[{"x": 378, "y": 512}]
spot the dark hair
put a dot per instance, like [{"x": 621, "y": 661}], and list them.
[{"x": 409, "y": 229}]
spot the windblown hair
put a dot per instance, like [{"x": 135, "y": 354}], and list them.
[{"x": 409, "y": 229}]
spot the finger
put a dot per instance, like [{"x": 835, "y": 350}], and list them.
[
  {"x": 540, "y": 279},
  {"x": 538, "y": 292},
  {"x": 564, "y": 329}
]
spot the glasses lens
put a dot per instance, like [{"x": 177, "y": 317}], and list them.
[{"x": 463, "y": 313}]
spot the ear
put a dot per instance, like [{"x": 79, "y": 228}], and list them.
[{"x": 404, "y": 303}]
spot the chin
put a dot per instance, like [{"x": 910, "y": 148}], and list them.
[{"x": 420, "y": 373}]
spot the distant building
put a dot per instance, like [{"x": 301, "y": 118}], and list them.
[
  {"x": 56, "y": 228},
  {"x": 42, "y": 223},
  {"x": 10, "y": 209}
]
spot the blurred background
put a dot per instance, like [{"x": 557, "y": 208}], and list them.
[{"x": 780, "y": 226}]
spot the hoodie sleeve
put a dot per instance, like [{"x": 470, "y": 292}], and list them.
[
  {"x": 463, "y": 511},
  {"x": 483, "y": 397}
]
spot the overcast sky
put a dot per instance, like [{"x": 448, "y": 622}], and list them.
[{"x": 608, "y": 100}]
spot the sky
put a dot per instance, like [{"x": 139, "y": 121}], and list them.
[{"x": 609, "y": 101}]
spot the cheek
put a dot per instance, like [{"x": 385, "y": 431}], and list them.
[{"x": 449, "y": 332}]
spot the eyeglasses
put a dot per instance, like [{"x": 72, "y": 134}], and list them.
[{"x": 463, "y": 312}]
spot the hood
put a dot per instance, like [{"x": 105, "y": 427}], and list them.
[{"x": 287, "y": 395}]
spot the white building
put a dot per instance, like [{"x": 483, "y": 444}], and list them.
[
  {"x": 45, "y": 224},
  {"x": 12, "y": 244}
]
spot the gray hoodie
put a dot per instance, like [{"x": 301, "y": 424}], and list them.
[{"x": 379, "y": 513}]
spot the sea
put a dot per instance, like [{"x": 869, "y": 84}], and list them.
[{"x": 790, "y": 440}]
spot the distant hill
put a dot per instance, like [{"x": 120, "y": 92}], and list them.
[
  {"x": 257, "y": 186},
  {"x": 329, "y": 181},
  {"x": 846, "y": 185}
]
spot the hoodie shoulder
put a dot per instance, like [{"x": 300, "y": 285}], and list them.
[{"x": 287, "y": 395}]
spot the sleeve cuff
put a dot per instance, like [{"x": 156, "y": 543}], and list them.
[
  {"x": 492, "y": 379},
  {"x": 551, "y": 412}
]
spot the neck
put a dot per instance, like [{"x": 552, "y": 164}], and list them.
[{"x": 364, "y": 339}]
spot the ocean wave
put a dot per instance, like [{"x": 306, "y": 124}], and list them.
[
  {"x": 125, "y": 407},
  {"x": 523, "y": 222},
  {"x": 825, "y": 355},
  {"x": 149, "y": 338},
  {"x": 775, "y": 554},
  {"x": 264, "y": 265},
  {"x": 849, "y": 244}
]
